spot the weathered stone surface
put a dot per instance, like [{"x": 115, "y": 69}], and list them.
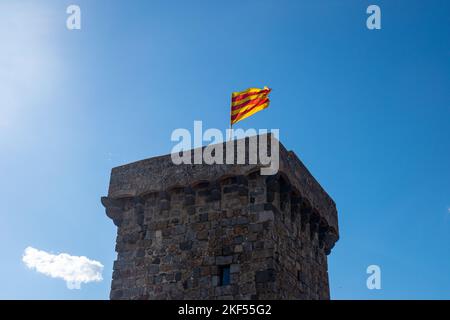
[
  {"x": 180, "y": 226},
  {"x": 159, "y": 173}
]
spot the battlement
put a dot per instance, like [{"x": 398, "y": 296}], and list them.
[{"x": 181, "y": 226}]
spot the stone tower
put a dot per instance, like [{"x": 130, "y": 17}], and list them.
[{"x": 220, "y": 231}]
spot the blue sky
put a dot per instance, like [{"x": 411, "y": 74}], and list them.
[{"x": 367, "y": 112}]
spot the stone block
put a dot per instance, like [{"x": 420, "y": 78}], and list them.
[{"x": 224, "y": 260}]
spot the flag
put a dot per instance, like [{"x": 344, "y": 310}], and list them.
[{"x": 248, "y": 102}]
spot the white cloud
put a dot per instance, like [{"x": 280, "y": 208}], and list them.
[{"x": 74, "y": 270}]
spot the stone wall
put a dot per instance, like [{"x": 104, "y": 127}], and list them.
[{"x": 173, "y": 242}]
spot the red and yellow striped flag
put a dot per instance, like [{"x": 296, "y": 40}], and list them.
[{"x": 248, "y": 102}]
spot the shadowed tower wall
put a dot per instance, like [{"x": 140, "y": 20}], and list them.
[{"x": 220, "y": 231}]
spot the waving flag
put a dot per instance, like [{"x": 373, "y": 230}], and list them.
[{"x": 248, "y": 102}]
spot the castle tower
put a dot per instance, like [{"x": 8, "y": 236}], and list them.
[{"x": 220, "y": 231}]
